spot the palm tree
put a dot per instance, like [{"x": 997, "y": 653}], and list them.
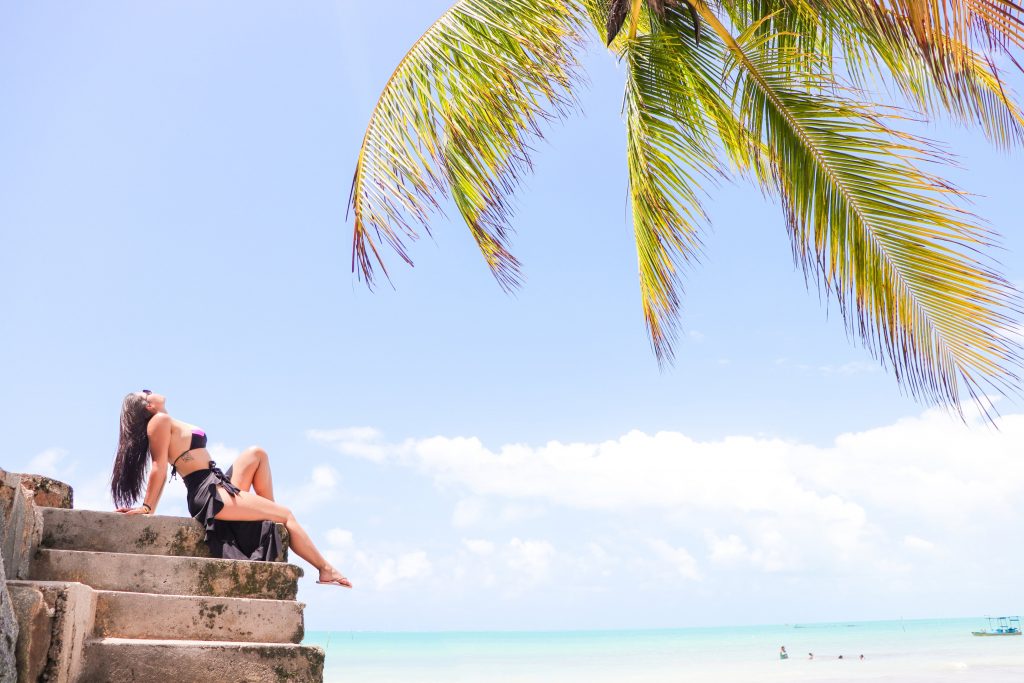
[{"x": 779, "y": 91}]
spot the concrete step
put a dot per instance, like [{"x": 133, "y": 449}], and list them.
[
  {"x": 54, "y": 619},
  {"x": 112, "y": 532},
  {"x": 168, "y": 575},
  {"x": 123, "y": 660},
  {"x": 187, "y": 617}
]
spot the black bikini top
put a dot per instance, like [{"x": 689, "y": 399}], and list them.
[{"x": 198, "y": 441}]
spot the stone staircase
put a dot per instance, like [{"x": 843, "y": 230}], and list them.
[{"x": 140, "y": 600}]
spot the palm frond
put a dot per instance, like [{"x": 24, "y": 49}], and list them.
[
  {"x": 996, "y": 22},
  {"x": 871, "y": 43},
  {"x": 881, "y": 234},
  {"x": 783, "y": 100},
  {"x": 954, "y": 78},
  {"x": 457, "y": 116},
  {"x": 674, "y": 112}
]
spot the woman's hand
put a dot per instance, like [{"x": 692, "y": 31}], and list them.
[{"x": 132, "y": 511}]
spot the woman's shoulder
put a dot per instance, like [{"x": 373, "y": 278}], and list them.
[
  {"x": 160, "y": 421},
  {"x": 181, "y": 426}
]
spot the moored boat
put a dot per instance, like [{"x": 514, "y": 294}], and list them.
[{"x": 1000, "y": 626}]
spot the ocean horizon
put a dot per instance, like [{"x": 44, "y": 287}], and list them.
[{"x": 908, "y": 651}]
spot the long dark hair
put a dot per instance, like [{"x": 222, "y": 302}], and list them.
[{"x": 132, "y": 448}]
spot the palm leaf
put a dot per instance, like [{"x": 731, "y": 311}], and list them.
[
  {"x": 879, "y": 233},
  {"x": 679, "y": 131},
  {"x": 953, "y": 78},
  {"x": 673, "y": 111},
  {"x": 457, "y": 116},
  {"x": 997, "y": 22},
  {"x": 869, "y": 43},
  {"x": 887, "y": 238}
]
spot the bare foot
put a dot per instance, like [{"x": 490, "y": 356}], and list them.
[{"x": 332, "y": 576}]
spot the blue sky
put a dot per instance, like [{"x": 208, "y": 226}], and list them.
[{"x": 172, "y": 207}]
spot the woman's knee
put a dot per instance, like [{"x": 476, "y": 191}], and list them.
[
  {"x": 283, "y": 515},
  {"x": 257, "y": 451}
]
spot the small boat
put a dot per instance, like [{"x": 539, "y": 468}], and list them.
[{"x": 1000, "y": 626}]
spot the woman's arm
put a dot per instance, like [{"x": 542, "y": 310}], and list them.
[{"x": 159, "y": 432}]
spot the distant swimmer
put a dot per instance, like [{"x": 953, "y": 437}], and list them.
[
  {"x": 782, "y": 653},
  {"x": 810, "y": 655},
  {"x": 840, "y": 656},
  {"x": 862, "y": 657}
]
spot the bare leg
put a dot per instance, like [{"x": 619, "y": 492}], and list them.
[
  {"x": 246, "y": 506},
  {"x": 252, "y": 467}
]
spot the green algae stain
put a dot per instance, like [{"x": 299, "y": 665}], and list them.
[
  {"x": 183, "y": 543},
  {"x": 238, "y": 579},
  {"x": 147, "y": 538}
]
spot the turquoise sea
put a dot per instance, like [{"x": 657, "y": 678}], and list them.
[{"x": 918, "y": 651}]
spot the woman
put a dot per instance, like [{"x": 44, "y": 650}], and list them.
[{"x": 222, "y": 502}]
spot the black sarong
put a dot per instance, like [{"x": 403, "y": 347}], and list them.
[{"x": 257, "y": 540}]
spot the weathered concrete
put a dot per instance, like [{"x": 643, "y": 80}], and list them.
[
  {"x": 8, "y": 630},
  {"x": 168, "y": 575},
  {"x": 22, "y": 527},
  {"x": 21, "y": 496},
  {"x": 34, "y": 632},
  {"x": 45, "y": 492},
  {"x": 8, "y": 619},
  {"x": 141, "y": 534},
  {"x": 117, "y": 660},
  {"x": 55, "y": 618},
  {"x": 177, "y": 617},
  {"x": 163, "y": 611}
]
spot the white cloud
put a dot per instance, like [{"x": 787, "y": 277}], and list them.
[
  {"x": 929, "y": 463},
  {"x": 90, "y": 489},
  {"x": 478, "y": 546},
  {"x": 378, "y": 566},
  {"x": 596, "y": 553},
  {"x": 510, "y": 514},
  {"x": 665, "y": 470},
  {"x": 358, "y": 441},
  {"x": 321, "y": 487},
  {"x": 728, "y": 551},
  {"x": 340, "y": 538},
  {"x": 93, "y": 492},
  {"x": 915, "y": 543},
  {"x": 467, "y": 512},
  {"x": 769, "y": 504},
  {"x": 470, "y": 512},
  {"x": 530, "y": 558},
  {"x": 48, "y": 463},
  {"x": 679, "y": 558},
  {"x": 324, "y": 478},
  {"x": 404, "y": 568}
]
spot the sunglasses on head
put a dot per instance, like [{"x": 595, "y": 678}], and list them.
[{"x": 147, "y": 392}]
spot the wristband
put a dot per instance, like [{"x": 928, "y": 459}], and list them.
[{"x": 148, "y": 509}]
